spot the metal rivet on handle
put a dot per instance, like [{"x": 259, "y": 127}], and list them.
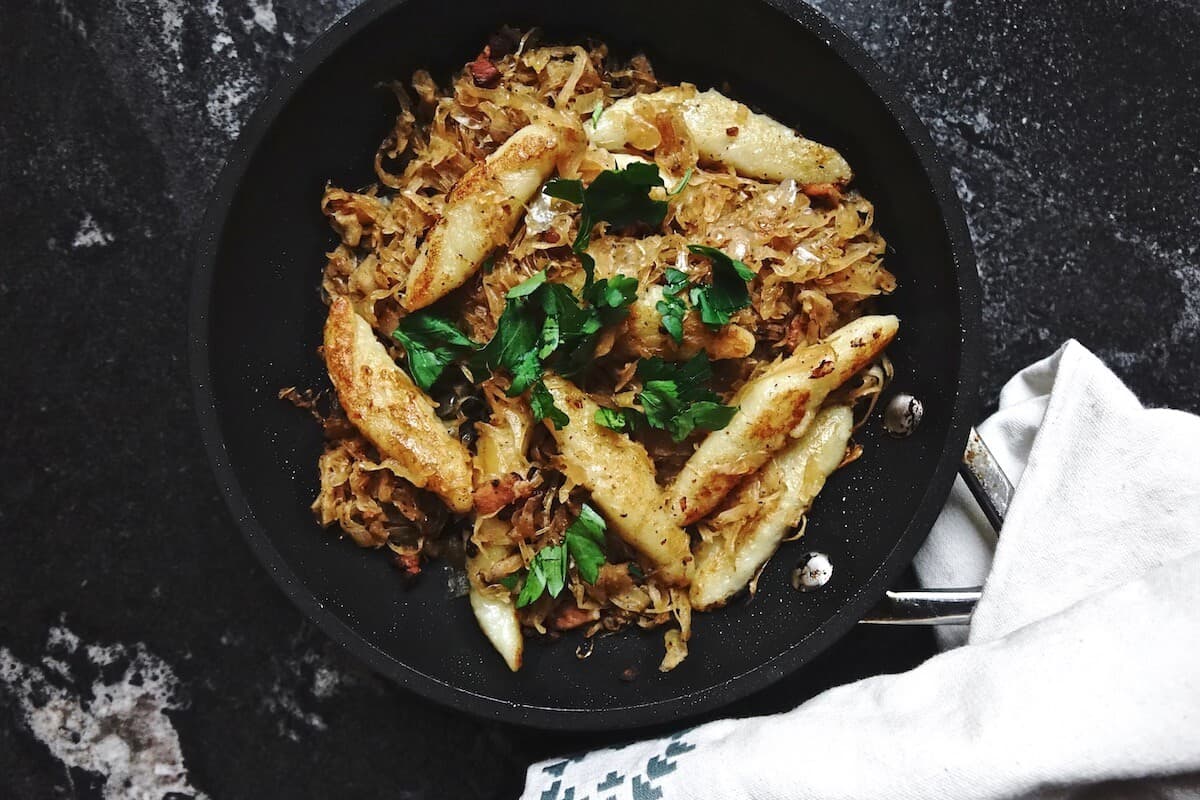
[
  {"x": 903, "y": 414},
  {"x": 813, "y": 572}
]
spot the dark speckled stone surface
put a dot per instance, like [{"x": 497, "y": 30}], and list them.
[{"x": 131, "y": 609}]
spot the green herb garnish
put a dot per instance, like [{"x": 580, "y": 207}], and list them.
[
  {"x": 727, "y": 292},
  {"x": 625, "y": 420},
  {"x": 543, "y": 326},
  {"x": 687, "y": 177},
  {"x": 547, "y": 569},
  {"x": 431, "y": 343},
  {"x": 516, "y": 334},
  {"x": 583, "y": 541},
  {"x": 672, "y": 308},
  {"x": 619, "y": 197},
  {"x": 673, "y": 398},
  {"x": 541, "y": 402}
]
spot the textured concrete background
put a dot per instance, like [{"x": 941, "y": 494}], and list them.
[{"x": 136, "y": 628}]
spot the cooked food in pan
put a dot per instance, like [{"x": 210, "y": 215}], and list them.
[{"x": 597, "y": 340}]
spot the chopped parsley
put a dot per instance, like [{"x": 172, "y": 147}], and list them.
[
  {"x": 687, "y": 178},
  {"x": 544, "y": 325},
  {"x": 673, "y": 398},
  {"x": 619, "y": 197},
  {"x": 717, "y": 301},
  {"x": 727, "y": 292},
  {"x": 672, "y": 308},
  {"x": 583, "y": 542},
  {"x": 618, "y": 419},
  {"x": 541, "y": 402},
  {"x": 584, "y": 539},
  {"x": 431, "y": 344}
]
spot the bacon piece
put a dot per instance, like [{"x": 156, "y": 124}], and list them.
[
  {"x": 500, "y": 492},
  {"x": 483, "y": 71},
  {"x": 825, "y": 191},
  {"x": 570, "y": 616}
]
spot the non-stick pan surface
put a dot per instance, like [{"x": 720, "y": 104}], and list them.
[{"x": 256, "y": 319}]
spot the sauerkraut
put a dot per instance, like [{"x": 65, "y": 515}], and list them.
[{"x": 814, "y": 251}]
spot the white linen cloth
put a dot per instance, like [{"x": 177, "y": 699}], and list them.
[{"x": 1080, "y": 672}]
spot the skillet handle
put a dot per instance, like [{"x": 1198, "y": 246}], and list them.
[
  {"x": 924, "y": 607},
  {"x": 993, "y": 491}
]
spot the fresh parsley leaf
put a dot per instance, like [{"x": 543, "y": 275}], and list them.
[
  {"x": 625, "y": 420},
  {"x": 517, "y": 333},
  {"x": 672, "y": 310},
  {"x": 687, "y": 178},
  {"x": 431, "y": 344},
  {"x": 615, "y": 293},
  {"x": 572, "y": 330},
  {"x": 510, "y": 581},
  {"x": 550, "y": 338},
  {"x": 567, "y": 189},
  {"x": 590, "y": 524},
  {"x": 525, "y": 372},
  {"x": 544, "y": 325},
  {"x": 619, "y": 197},
  {"x": 622, "y": 197},
  {"x": 535, "y": 583},
  {"x": 527, "y": 286},
  {"x": 635, "y": 571},
  {"x": 589, "y": 270},
  {"x": 690, "y": 373},
  {"x": 727, "y": 293},
  {"x": 541, "y": 402},
  {"x": 713, "y": 312},
  {"x": 677, "y": 281},
  {"x": 585, "y": 541},
  {"x": 661, "y": 402},
  {"x": 706, "y": 414},
  {"x": 554, "y": 566},
  {"x": 674, "y": 397},
  {"x": 711, "y": 415}
]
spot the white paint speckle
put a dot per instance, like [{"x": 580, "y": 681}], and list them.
[
  {"x": 225, "y": 103},
  {"x": 300, "y": 683},
  {"x": 170, "y": 14},
  {"x": 262, "y": 14},
  {"x": 221, "y": 41},
  {"x": 961, "y": 187},
  {"x": 90, "y": 234},
  {"x": 61, "y": 637},
  {"x": 291, "y": 716},
  {"x": 116, "y": 728},
  {"x": 325, "y": 682}
]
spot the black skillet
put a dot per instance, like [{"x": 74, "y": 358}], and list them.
[{"x": 256, "y": 320}]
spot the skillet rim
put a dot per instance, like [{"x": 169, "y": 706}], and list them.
[{"x": 965, "y": 406}]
